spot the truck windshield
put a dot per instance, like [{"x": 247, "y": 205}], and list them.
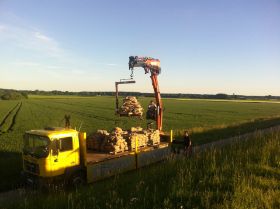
[{"x": 35, "y": 145}]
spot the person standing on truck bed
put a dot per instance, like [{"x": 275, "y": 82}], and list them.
[
  {"x": 187, "y": 144},
  {"x": 152, "y": 109},
  {"x": 67, "y": 121}
]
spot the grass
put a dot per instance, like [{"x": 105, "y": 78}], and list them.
[
  {"x": 207, "y": 121},
  {"x": 245, "y": 174}
]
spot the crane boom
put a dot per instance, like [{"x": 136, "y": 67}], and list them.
[{"x": 153, "y": 66}]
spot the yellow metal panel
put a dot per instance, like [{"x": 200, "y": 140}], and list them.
[
  {"x": 53, "y": 133},
  {"x": 55, "y": 165},
  {"x": 66, "y": 159},
  {"x": 83, "y": 148}
]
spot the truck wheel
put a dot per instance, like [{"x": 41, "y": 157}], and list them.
[{"x": 77, "y": 180}]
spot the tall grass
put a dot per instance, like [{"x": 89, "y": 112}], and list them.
[
  {"x": 207, "y": 120},
  {"x": 245, "y": 174}
]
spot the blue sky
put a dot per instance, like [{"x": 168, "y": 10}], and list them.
[{"x": 218, "y": 46}]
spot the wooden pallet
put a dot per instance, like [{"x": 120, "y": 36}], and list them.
[
  {"x": 119, "y": 152},
  {"x": 154, "y": 145},
  {"x": 139, "y": 147}
]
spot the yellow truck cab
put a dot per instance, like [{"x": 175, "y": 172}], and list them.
[
  {"x": 53, "y": 154},
  {"x": 59, "y": 155}
]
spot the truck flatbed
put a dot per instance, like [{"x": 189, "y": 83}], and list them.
[
  {"x": 101, "y": 165},
  {"x": 93, "y": 157}
]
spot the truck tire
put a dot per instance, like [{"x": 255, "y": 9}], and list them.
[{"x": 77, "y": 180}]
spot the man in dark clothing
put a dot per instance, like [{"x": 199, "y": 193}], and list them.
[
  {"x": 151, "y": 113},
  {"x": 67, "y": 121},
  {"x": 187, "y": 144}
]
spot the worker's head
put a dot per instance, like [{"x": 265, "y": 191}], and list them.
[{"x": 186, "y": 133}]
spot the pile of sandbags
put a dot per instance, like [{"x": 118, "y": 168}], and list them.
[
  {"x": 131, "y": 107},
  {"x": 115, "y": 143},
  {"x": 148, "y": 137},
  {"x": 139, "y": 135},
  {"x": 154, "y": 137},
  {"x": 96, "y": 140},
  {"x": 120, "y": 141}
]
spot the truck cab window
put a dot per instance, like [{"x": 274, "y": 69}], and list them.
[{"x": 66, "y": 144}]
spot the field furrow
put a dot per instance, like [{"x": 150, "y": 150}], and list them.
[
  {"x": 5, "y": 107},
  {"x": 14, "y": 117},
  {"x": 7, "y": 115},
  {"x": 10, "y": 118}
]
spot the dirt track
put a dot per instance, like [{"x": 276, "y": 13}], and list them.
[
  {"x": 234, "y": 139},
  {"x": 13, "y": 113}
]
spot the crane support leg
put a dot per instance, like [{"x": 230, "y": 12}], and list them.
[{"x": 117, "y": 98}]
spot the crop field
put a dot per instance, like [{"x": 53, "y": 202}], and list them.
[
  {"x": 90, "y": 114},
  {"x": 244, "y": 174},
  {"x": 206, "y": 120},
  {"x": 7, "y": 113}
]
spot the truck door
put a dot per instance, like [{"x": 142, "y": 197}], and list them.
[{"x": 66, "y": 155}]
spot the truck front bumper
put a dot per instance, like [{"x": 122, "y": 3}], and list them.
[
  {"x": 41, "y": 183},
  {"x": 30, "y": 180}
]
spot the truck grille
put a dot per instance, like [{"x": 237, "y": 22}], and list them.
[{"x": 31, "y": 167}]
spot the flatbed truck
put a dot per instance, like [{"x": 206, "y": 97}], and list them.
[{"x": 60, "y": 155}]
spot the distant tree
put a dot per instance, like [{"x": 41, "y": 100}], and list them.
[
  {"x": 268, "y": 97},
  {"x": 11, "y": 95},
  {"x": 221, "y": 96},
  {"x": 8, "y": 94},
  {"x": 24, "y": 94}
]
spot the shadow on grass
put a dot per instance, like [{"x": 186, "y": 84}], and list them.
[
  {"x": 218, "y": 134},
  {"x": 265, "y": 171},
  {"x": 11, "y": 166},
  {"x": 11, "y": 162}
]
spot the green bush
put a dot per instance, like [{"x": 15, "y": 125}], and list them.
[{"x": 13, "y": 95}]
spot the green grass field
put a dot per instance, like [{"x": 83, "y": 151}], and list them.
[
  {"x": 207, "y": 121},
  {"x": 90, "y": 114},
  {"x": 244, "y": 174}
]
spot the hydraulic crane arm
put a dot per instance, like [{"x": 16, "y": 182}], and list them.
[
  {"x": 148, "y": 63},
  {"x": 153, "y": 66}
]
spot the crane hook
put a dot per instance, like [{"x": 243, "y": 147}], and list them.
[{"x": 131, "y": 75}]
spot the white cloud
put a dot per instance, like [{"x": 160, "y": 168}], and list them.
[
  {"x": 54, "y": 67},
  {"x": 42, "y": 37},
  {"x": 50, "y": 45},
  {"x": 2, "y": 28},
  {"x": 111, "y": 64},
  {"x": 30, "y": 39},
  {"x": 26, "y": 64},
  {"x": 51, "y": 70},
  {"x": 41, "y": 59},
  {"x": 77, "y": 72}
]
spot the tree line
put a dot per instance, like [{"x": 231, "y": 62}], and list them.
[
  {"x": 164, "y": 95},
  {"x": 10, "y": 94}
]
